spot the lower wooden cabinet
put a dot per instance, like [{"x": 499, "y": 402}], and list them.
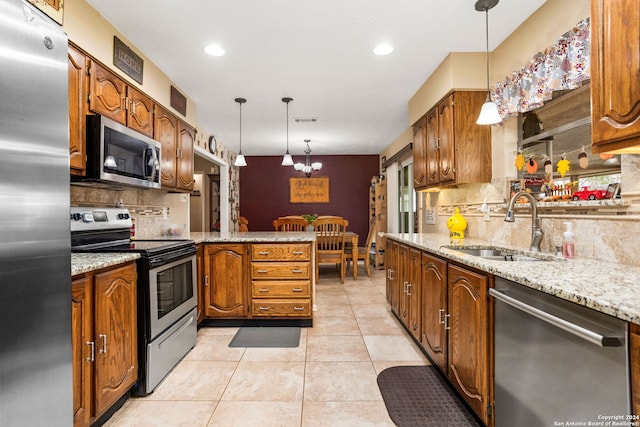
[
  {"x": 225, "y": 281},
  {"x": 634, "y": 338},
  {"x": 445, "y": 307},
  {"x": 200, "y": 273},
  {"x": 104, "y": 340}
]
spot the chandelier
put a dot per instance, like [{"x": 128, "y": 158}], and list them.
[{"x": 308, "y": 167}]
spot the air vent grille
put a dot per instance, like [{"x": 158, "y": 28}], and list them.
[{"x": 305, "y": 120}]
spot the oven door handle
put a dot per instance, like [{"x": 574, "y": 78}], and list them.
[{"x": 176, "y": 333}]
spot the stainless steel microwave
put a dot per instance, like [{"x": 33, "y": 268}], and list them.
[{"x": 117, "y": 154}]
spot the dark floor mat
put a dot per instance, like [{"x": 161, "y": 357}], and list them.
[
  {"x": 266, "y": 337},
  {"x": 419, "y": 396}
]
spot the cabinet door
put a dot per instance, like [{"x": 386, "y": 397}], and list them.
[
  {"x": 419, "y": 155},
  {"x": 431, "y": 137},
  {"x": 446, "y": 143},
  {"x": 434, "y": 308},
  {"x": 469, "y": 370},
  {"x": 403, "y": 269},
  {"x": 77, "y": 110},
  {"x": 107, "y": 94},
  {"x": 200, "y": 270},
  {"x": 166, "y": 133},
  {"x": 140, "y": 108},
  {"x": 414, "y": 290},
  {"x": 634, "y": 338},
  {"x": 186, "y": 137},
  {"x": 226, "y": 289},
  {"x": 391, "y": 261},
  {"x": 116, "y": 365},
  {"x": 615, "y": 67},
  {"x": 82, "y": 343}
]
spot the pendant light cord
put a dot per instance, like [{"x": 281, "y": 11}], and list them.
[
  {"x": 287, "y": 127},
  {"x": 486, "y": 13}
]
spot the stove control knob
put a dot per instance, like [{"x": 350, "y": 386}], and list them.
[
  {"x": 76, "y": 216},
  {"x": 123, "y": 216},
  {"x": 87, "y": 217}
]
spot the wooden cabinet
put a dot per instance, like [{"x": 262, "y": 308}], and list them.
[
  {"x": 419, "y": 154},
  {"x": 53, "y": 8},
  {"x": 468, "y": 326},
  {"x": 77, "y": 62},
  {"x": 104, "y": 340},
  {"x": 634, "y": 368},
  {"x": 177, "y": 138},
  {"x": 434, "y": 308},
  {"x": 225, "y": 281},
  {"x": 392, "y": 283},
  {"x": 111, "y": 97},
  {"x": 200, "y": 273},
  {"x": 405, "y": 287},
  {"x": 402, "y": 265},
  {"x": 615, "y": 66},
  {"x": 450, "y": 146},
  {"x": 281, "y": 280},
  {"x": 413, "y": 275}
]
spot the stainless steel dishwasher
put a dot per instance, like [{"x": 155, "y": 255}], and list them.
[{"x": 556, "y": 361}]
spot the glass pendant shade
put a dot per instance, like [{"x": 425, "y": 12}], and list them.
[
  {"x": 489, "y": 113},
  {"x": 287, "y": 160},
  {"x": 240, "y": 161}
]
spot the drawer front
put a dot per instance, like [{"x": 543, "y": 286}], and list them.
[
  {"x": 277, "y": 289},
  {"x": 283, "y": 252},
  {"x": 284, "y": 308},
  {"x": 280, "y": 270}
]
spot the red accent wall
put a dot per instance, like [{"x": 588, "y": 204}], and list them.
[{"x": 264, "y": 190}]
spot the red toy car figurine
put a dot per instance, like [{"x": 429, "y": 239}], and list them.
[{"x": 586, "y": 194}]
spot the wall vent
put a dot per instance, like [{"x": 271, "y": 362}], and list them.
[{"x": 305, "y": 120}]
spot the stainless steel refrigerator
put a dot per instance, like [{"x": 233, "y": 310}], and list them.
[{"x": 35, "y": 260}]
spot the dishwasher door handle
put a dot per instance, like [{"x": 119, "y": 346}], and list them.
[{"x": 577, "y": 330}]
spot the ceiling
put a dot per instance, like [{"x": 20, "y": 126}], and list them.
[{"x": 318, "y": 52}]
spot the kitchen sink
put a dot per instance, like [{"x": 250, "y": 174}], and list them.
[{"x": 502, "y": 254}]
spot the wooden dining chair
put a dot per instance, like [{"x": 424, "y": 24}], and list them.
[
  {"x": 362, "y": 253},
  {"x": 243, "y": 224},
  {"x": 330, "y": 243},
  {"x": 290, "y": 223}
]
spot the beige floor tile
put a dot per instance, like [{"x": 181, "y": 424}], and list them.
[
  {"x": 324, "y": 300},
  {"x": 393, "y": 348},
  {"x": 266, "y": 381},
  {"x": 386, "y": 325},
  {"x": 341, "y": 382},
  {"x": 369, "y": 296},
  {"x": 370, "y": 310},
  {"x": 147, "y": 413},
  {"x": 195, "y": 380},
  {"x": 210, "y": 330},
  {"x": 345, "y": 414},
  {"x": 333, "y": 310},
  {"x": 214, "y": 347},
  {"x": 339, "y": 348},
  {"x": 381, "y": 366},
  {"x": 251, "y": 414},
  {"x": 334, "y": 326}
]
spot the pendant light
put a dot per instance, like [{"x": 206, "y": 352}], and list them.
[
  {"x": 240, "y": 161},
  {"x": 489, "y": 113},
  {"x": 287, "y": 160},
  {"x": 308, "y": 167}
]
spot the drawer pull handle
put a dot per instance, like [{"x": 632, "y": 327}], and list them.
[
  {"x": 92, "y": 346},
  {"x": 263, "y": 290},
  {"x": 103, "y": 350},
  {"x": 263, "y": 253},
  {"x": 263, "y": 271},
  {"x": 297, "y": 252},
  {"x": 297, "y": 290},
  {"x": 298, "y": 308},
  {"x": 296, "y": 270},
  {"x": 264, "y": 308}
]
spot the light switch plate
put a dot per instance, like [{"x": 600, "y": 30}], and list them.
[{"x": 430, "y": 216}]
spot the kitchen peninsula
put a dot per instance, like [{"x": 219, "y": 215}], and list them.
[{"x": 256, "y": 275}]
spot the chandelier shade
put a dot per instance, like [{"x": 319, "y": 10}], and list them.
[{"x": 308, "y": 167}]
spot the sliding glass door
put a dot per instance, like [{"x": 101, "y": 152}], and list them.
[{"x": 407, "y": 212}]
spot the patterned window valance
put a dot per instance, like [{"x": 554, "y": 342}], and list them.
[{"x": 562, "y": 66}]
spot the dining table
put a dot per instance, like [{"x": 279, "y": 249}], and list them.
[{"x": 353, "y": 238}]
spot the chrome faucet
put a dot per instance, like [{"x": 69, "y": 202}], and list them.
[{"x": 536, "y": 230}]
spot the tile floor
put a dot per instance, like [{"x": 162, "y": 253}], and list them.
[{"x": 329, "y": 380}]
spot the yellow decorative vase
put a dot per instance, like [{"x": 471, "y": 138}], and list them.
[{"x": 456, "y": 224}]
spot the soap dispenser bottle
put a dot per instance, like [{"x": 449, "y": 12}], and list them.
[{"x": 568, "y": 249}]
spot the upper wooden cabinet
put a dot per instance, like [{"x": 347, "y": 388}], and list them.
[
  {"x": 77, "y": 62},
  {"x": 53, "y": 8},
  {"x": 454, "y": 149},
  {"x": 615, "y": 67},
  {"x": 177, "y": 139},
  {"x": 112, "y": 97}
]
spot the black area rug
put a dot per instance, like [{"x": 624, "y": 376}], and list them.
[
  {"x": 266, "y": 337},
  {"x": 419, "y": 396}
]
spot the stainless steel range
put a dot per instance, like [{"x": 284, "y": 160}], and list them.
[{"x": 167, "y": 296}]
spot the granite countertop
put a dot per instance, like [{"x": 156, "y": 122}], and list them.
[
  {"x": 607, "y": 287},
  {"x": 85, "y": 262},
  {"x": 254, "y": 236}
]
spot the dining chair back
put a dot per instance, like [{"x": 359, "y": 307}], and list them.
[
  {"x": 362, "y": 253},
  {"x": 290, "y": 223},
  {"x": 243, "y": 224},
  {"x": 330, "y": 243}
]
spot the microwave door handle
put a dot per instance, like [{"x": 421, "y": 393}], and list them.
[{"x": 152, "y": 162}]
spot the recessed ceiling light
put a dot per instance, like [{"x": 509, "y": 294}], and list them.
[
  {"x": 383, "y": 49},
  {"x": 214, "y": 50}
]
